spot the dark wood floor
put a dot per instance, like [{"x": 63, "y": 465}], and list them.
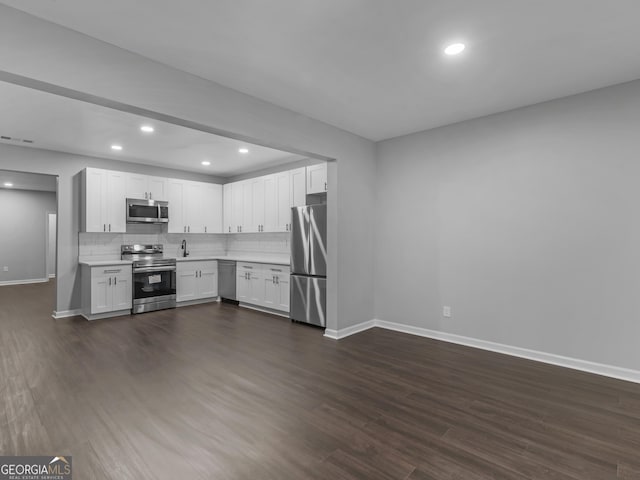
[{"x": 218, "y": 392}]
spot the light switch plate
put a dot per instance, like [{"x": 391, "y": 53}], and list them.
[{"x": 446, "y": 311}]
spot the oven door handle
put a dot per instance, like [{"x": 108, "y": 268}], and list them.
[{"x": 166, "y": 268}]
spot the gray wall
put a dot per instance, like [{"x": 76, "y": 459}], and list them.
[
  {"x": 23, "y": 233},
  {"x": 526, "y": 223},
  {"x": 47, "y": 52}
]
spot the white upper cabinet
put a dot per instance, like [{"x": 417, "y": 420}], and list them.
[
  {"x": 317, "y": 178},
  {"x": 194, "y": 207},
  {"x": 104, "y": 205},
  {"x": 146, "y": 187},
  {"x": 298, "y": 186},
  {"x": 212, "y": 202},
  {"x": 263, "y": 204},
  {"x": 257, "y": 205},
  {"x": 176, "y": 201},
  {"x": 227, "y": 215}
]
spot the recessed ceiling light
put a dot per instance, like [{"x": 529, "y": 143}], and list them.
[
  {"x": 116, "y": 147},
  {"x": 206, "y": 163},
  {"x": 454, "y": 49},
  {"x": 8, "y": 184},
  {"x": 147, "y": 128},
  {"x": 243, "y": 150}
]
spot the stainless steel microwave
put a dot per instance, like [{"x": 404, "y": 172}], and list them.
[{"x": 147, "y": 211}]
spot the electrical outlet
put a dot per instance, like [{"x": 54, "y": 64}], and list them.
[
  {"x": 5, "y": 269},
  {"x": 446, "y": 311}
]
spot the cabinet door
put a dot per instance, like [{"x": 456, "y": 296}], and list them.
[
  {"x": 193, "y": 207},
  {"x": 137, "y": 186},
  {"x": 208, "y": 280},
  {"x": 101, "y": 293},
  {"x": 257, "y": 205},
  {"x": 298, "y": 187},
  {"x": 176, "y": 207},
  {"x": 186, "y": 281},
  {"x": 284, "y": 202},
  {"x": 237, "y": 202},
  {"x": 317, "y": 178},
  {"x": 271, "y": 204},
  {"x": 282, "y": 281},
  {"x": 247, "y": 224},
  {"x": 227, "y": 216},
  {"x": 211, "y": 207},
  {"x": 122, "y": 292},
  {"x": 257, "y": 287},
  {"x": 157, "y": 188},
  {"x": 116, "y": 202},
  {"x": 271, "y": 290},
  {"x": 243, "y": 285},
  {"x": 95, "y": 200}
]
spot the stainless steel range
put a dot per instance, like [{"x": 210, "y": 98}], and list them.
[{"x": 154, "y": 277}]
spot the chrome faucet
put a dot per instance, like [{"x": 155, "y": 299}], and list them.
[{"x": 185, "y": 253}]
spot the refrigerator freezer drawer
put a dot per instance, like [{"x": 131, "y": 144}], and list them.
[{"x": 308, "y": 300}]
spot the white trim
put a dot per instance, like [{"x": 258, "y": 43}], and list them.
[
  {"x": 272, "y": 311},
  {"x": 66, "y": 313},
  {"x": 544, "y": 357},
  {"x": 100, "y": 316},
  {"x": 353, "y": 329},
  {"x": 188, "y": 303},
  {"x": 24, "y": 282},
  {"x": 52, "y": 275}
]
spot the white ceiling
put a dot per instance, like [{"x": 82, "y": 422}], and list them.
[
  {"x": 28, "y": 181},
  {"x": 375, "y": 67},
  {"x": 62, "y": 124}
]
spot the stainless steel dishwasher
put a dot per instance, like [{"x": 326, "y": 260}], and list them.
[{"x": 227, "y": 279}]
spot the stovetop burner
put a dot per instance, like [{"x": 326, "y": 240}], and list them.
[{"x": 145, "y": 255}]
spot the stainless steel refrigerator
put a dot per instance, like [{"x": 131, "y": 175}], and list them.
[{"x": 309, "y": 264}]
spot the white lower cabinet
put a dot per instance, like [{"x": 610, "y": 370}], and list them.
[
  {"x": 263, "y": 285},
  {"x": 196, "y": 280},
  {"x": 106, "y": 289}
]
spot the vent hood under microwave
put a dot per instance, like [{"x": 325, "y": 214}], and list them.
[{"x": 147, "y": 211}]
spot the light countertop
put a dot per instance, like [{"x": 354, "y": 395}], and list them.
[
  {"x": 274, "y": 260},
  {"x": 104, "y": 263}
]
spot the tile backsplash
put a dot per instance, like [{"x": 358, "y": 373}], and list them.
[{"x": 106, "y": 246}]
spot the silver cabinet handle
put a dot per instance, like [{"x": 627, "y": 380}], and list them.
[
  {"x": 109, "y": 227},
  {"x": 109, "y": 281},
  {"x": 115, "y": 280},
  {"x": 325, "y": 185},
  {"x": 151, "y": 196},
  {"x": 104, "y": 227},
  {"x": 113, "y": 271},
  {"x": 205, "y": 229},
  {"x": 189, "y": 229},
  {"x": 229, "y": 228},
  {"x": 185, "y": 229},
  {"x": 277, "y": 280},
  {"x": 146, "y": 196}
]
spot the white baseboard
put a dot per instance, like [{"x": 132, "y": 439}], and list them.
[
  {"x": 24, "y": 282},
  {"x": 52, "y": 275},
  {"x": 66, "y": 313},
  {"x": 550, "y": 358},
  {"x": 188, "y": 303},
  {"x": 345, "y": 332},
  {"x": 251, "y": 306}
]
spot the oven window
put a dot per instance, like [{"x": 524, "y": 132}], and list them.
[
  {"x": 154, "y": 284},
  {"x": 143, "y": 211}
]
